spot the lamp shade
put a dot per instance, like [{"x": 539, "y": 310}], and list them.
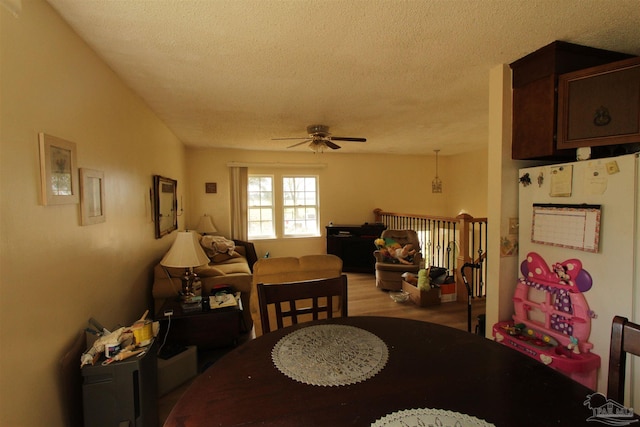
[
  {"x": 185, "y": 252},
  {"x": 205, "y": 226}
]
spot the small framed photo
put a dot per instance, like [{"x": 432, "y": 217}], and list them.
[
  {"x": 58, "y": 171},
  {"x": 91, "y": 196},
  {"x": 210, "y": 187}
]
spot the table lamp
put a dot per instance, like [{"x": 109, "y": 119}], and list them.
[
  {"x": 205, "y": 226},
  {"x": 186, "y": 253}
]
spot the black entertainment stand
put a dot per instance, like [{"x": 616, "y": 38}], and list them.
[{"x": 354, "y": 244}]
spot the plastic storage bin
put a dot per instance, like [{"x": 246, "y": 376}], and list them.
[
  {"x": 123, "y": 393},
  {"x": 177, "y": 370}
]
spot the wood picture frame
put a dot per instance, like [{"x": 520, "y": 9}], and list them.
[
  {"x": 91, "y": 196},
  {"x": 210, "y": 187},
  {"x": 165, "y": 205},
  {"x": 58, "y": 171}
]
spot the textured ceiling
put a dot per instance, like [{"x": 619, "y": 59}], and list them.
[{"x": 410, "y": 76}]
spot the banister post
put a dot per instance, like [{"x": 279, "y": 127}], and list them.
[
  {"x": 377, "y": 212},
  {"x": 464, "y": 219}
]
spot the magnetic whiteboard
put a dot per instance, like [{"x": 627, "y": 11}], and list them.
[{"x": 568, "y": 226}]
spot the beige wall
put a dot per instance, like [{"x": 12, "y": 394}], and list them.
[
  {"x": 467, "y": 182},
  {"x": 55, "y": 273},
  {"x": 351, "y": 187},
  {"x": 502, "y": 197}
]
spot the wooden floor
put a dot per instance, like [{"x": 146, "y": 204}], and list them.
[
  {"x": 364, "y": 300},
  {"x": 367, "y": 300}
]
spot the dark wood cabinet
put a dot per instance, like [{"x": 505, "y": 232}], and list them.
[
  {"x": 535, "y": 100},
  {"x": 211, "y": 328},
  {"x": 354, "y": 244},
  {"x": 600, "y": 105}
]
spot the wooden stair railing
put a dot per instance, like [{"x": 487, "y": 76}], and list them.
[{"x": 447, "y": 242}]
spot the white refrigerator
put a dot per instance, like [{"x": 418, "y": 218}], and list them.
[{"x": 588, "y": 210}]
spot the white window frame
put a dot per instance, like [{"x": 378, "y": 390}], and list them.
[
  {"x": 265, "y": 208},
  {"x": 305, "y": 202},
  {"x": 278, "y": 207}
]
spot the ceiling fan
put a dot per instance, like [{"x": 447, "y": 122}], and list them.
[{"x": 319, "y": 138}]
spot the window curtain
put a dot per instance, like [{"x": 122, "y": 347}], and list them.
[{"x": 239, "y": 184}]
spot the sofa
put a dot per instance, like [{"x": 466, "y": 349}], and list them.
[
  {"x": 388, "y": 271},
  {"x": 233, "y": 268},
  {"x": 290, "y": 269}
]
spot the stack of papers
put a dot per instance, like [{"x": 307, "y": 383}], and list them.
[{"x": 222, "y": 300}]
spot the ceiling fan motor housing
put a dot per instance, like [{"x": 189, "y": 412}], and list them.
[{"x": 318, "y": 130}]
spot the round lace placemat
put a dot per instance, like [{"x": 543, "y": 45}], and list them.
[
  {"x": 429, "y": 417},
  {"x": 330, "y": 355}
]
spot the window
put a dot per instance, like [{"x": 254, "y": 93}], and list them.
[
  {"x": 286, "y": 210},
  {"x": 300, "y": 205},
  {"x": 260, "y": 206}
]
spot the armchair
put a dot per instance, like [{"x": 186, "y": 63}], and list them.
[{"x": 388, "y": 273}]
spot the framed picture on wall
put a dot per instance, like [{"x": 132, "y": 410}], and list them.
[
  {"x": 92, "y": 196},
  {"x": 58, "y": 171},
  {"x": 165, "y": 205}
]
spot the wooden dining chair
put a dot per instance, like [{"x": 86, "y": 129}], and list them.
[
  {"x": 298, "y": 300},
  {"x": 625, "y": 338}
]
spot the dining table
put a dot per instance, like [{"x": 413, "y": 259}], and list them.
[{"x": 382, "y": 371}]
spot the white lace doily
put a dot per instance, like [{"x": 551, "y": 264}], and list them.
[
  {"x": 330, "y": 355},
  {"x": 430, "y": 418}
]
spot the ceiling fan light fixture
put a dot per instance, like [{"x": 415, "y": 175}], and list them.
[
  {"x": 317, "y": 146},
  {"x": 321, "y": 139},
  {"x": 436, "y": 184}
]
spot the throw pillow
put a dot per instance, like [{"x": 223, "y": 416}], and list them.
[
  {"x": 208, "y": 271},
  {"x": 217, "y": 245},
  {"x": 221, "y": 257}
]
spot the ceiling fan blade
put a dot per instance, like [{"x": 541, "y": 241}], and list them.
[
  {"x": 345, "y": 138},
  {"x": 331, "y": 145},
  {"x": 280, "y": 139},
  {"x": 299, "y": 143}
]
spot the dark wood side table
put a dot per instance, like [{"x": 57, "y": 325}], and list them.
[{"x": 209, "y": 328}]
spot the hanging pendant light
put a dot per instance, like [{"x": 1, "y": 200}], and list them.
[{"x": 436, "y": 184}]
